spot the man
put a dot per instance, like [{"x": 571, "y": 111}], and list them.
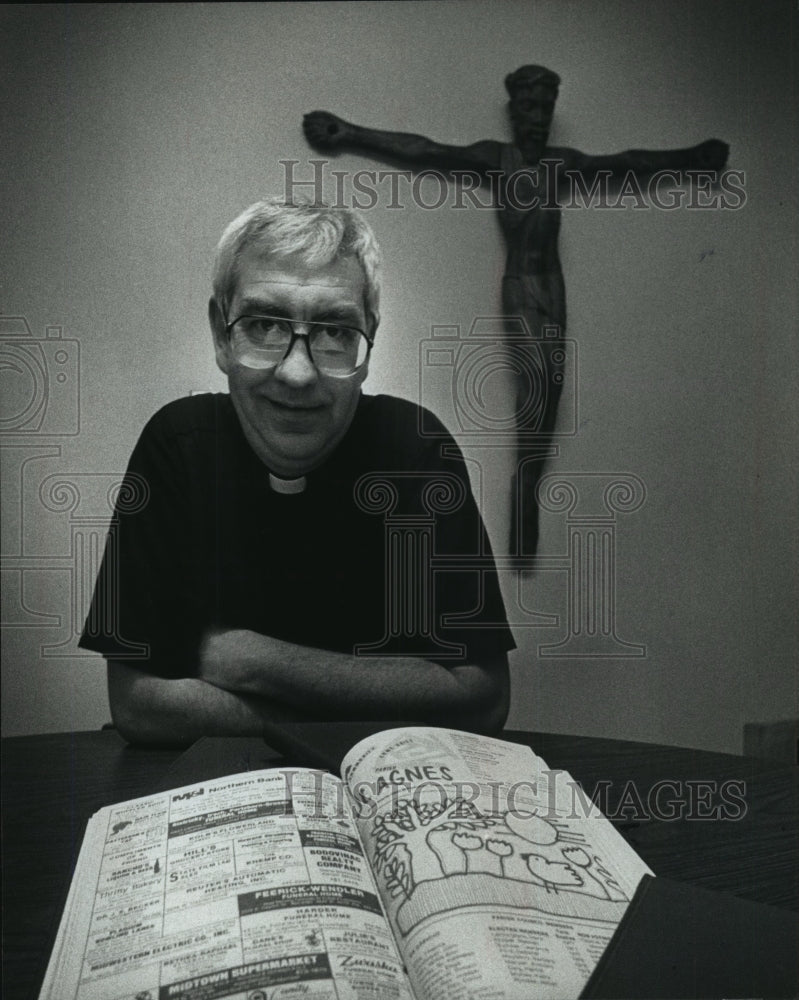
[
  {"x": 255, "y": 571},
  {"x": 527, "y": 200}
]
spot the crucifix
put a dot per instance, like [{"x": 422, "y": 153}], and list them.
[{"x": 533, "y": 288}]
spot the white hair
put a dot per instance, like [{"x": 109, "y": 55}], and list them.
[{"x": 318, "y": 233}]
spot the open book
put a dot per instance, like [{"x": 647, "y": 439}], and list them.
[{"x": 443, "y": 865}]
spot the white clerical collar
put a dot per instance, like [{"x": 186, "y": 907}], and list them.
[{"x": 287, "y": 485}]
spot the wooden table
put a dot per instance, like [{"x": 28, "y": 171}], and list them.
[{"x": 51, "y": 784}]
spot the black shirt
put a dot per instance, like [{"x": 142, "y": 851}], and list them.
[{"x": 376, "y": 556}]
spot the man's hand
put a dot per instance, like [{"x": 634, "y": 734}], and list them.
[{"x": 323, "y": 130}]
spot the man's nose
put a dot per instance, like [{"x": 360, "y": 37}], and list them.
[{"x": 296, "y": 368}]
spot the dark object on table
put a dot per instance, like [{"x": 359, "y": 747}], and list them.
[{"x": 679, "y": 941}]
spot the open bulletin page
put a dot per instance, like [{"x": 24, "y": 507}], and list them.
[
  {"x": 500, "y": 878},
  {"x": 447, "y": 866},
  {"x": 247, "y": 886}
]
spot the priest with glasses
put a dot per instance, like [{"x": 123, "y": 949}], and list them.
[{"x": 252, "y": 572}]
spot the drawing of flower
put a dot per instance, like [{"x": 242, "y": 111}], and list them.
[
  {"x": 502, "y": 849},
  {"x": 467, "y": 842}
]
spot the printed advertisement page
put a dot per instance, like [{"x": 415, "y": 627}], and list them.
[
  {"x": 247, "y": 886},
  {"x": 497, "y": 873}
]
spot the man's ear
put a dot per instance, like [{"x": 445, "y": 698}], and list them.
[{"x": 217, "y": 324}]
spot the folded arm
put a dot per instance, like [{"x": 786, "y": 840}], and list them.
[
  {"x": 339, "y": 685},
  {"x": 247, "y": 678},
  {"x": 151, "y": 709}
]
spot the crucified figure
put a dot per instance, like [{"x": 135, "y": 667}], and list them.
[{"x": 533, "y": 289}]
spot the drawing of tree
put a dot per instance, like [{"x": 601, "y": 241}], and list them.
[
  {"x": 396, "y": 871},
  {"x": 411, "y": 825}
]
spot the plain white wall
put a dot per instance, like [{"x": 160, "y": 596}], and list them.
[{"x": 135, "y": 133}]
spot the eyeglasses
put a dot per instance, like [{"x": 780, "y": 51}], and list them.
[{"x": 264, "y": 341}]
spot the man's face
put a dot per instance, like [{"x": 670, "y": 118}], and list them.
[
  {"x": 531, "y": 110},
  {"x": 292, "y": 415}
]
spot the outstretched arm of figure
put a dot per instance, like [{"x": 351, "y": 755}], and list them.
[
  {"x": 710, "y": 155},
  {"x": 327, "y": 132},
  {"x": 246, "y": 679}
]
